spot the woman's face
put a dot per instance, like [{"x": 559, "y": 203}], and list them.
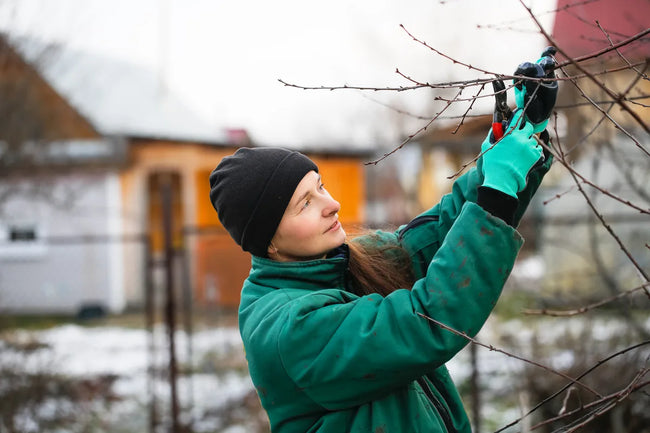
[{"x": 310, "y": 225}]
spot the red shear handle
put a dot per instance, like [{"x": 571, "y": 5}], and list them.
[{"x": 497, "y": 130}]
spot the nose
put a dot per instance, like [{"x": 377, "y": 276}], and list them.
[{"x": 331, "y": 207}]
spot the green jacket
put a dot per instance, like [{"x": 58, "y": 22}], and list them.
[{"x": 325, "y": 360}]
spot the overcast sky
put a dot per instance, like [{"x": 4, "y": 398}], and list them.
[{"x": 224, "y": 58}]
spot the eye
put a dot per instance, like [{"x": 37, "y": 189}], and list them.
[
  {"x": 321, "y": 186},
  {"x": 306, "y": 203}
]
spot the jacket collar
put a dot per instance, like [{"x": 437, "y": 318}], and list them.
[{"x": 309, "y": 275}]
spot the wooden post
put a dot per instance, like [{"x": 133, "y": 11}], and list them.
[
  {"x": 149, "y": 299},
  {"x": 170, "y": 304},
  {"x": 188, "y": 320},
  {"x": 475, "y": 387}
]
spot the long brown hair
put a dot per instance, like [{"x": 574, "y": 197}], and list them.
[{"x": 377, "y": 267}]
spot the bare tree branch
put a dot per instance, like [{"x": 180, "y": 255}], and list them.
[
  {"x": 614, "y": 122},
  {"x": 576, "y": 63},
  {"x": 601, "y": 406},
  {"x": 415, "y": 134},
  {"x": 494, "y": 349},
  {"x": 581, "y": 310},
  {"x": 604, "y": 50},
  {"x": 475, "y": 97},
  {"x": 504, "y": 25},
  {"x": 611, "y": 105},
  {"x": 607, "y": 226},
  {"x": 564, "y": 388},
  {"x": 562, "y": 160},
  {"x": 611, "y": 43}
]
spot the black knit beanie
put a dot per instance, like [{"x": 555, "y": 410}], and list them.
[{"x": 251, "y": 189}]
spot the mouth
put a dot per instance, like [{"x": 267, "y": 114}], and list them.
[{"x": 334, "y": 226}]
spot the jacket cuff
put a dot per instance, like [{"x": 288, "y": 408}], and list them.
[{"x": 498, "y": 203}]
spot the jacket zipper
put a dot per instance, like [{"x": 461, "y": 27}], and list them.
[
  {"x": 444, "y": 414},
  {"x": 417, "y": 222}
]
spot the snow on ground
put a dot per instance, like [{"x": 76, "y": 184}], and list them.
[
  {"x": 115, "y": 350},
  {"x": 79, "y": 351},
  {"x": 220, "y": 379}
]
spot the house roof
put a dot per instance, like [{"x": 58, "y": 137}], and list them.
[
  {"x": 124, "y": 99},
  {"x": 577, "y": 33},
  {"x": 118, "y": 98}
]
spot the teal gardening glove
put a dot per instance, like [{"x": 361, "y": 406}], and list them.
[
  {"x": 543, "y": 93},
  {"x": 507, "y": 162}
]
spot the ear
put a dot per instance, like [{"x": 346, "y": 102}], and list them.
[{"x": 271, "y": 250}]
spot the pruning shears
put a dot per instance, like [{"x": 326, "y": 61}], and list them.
[
  {"x": 537, "y": 96},
  {"x": 502, "y": 113}
]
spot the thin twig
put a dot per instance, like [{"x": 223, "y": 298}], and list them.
[
  {"x": 415, "y": 134},
  {"x": 614, "y": 122},
  {"x": 603, "y": 51},
  {"x": 548, "y": 12},
  {"x": 564, "y": 388},
  {"x": 346, "y": 87},
  {"x": 600, "y": 406},
  {"x": 575, "y": 63},
  {"x": 611, "y": 105},
  {"x": 474, "y": 98},
  {"x": 611, "y": 43},
  {"x": 451, "y": 84},
  {"x": 623, "y": 94},
  {"x": 609, "y": 194},
  {"x": 494, "y": 349},
  {"x": 639, "y": 188},
  {"x": 591, "y": 24},
  {"x": 440, "y": 53},
  {"x": 581, "y": 310},
  {"x": 558, "y": 195},
  {"x": 602, "y": 101}
]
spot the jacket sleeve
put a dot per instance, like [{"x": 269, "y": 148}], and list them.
[
  {"x": 344, "y": 351},
  {"x": 424, "y": 234}
]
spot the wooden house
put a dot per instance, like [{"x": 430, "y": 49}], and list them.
[{"x": 81, "y": 211}]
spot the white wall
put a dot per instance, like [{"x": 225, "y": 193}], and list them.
[{"x": 75, "y": 259}]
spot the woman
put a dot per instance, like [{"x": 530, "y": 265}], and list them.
[{"x": 334, "y": 332}]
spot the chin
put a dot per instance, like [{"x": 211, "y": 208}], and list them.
[
  {"x": 340, "y": 237},
  {"x": 332, "y": 243}
]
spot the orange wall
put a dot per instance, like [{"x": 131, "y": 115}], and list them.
[
  {"x": 146, "y": 158},
  {"x": 206, "y": 216},
  {"x": 193, "y": 162}
]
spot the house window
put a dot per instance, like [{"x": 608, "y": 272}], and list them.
[
  {"x": 21, "y": 241},
  {"x": 22, "y": 234}
]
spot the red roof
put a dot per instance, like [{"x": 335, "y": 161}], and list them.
[{"x": 577, "y": 33}]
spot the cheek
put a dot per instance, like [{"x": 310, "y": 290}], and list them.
[
  {"x": 297, "y": 229},
  {"x": 304, "y": 228}
]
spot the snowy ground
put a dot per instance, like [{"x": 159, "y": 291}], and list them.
[
  {"x": 219, "y": 377},
  {"x": 219, "y": 383}
]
